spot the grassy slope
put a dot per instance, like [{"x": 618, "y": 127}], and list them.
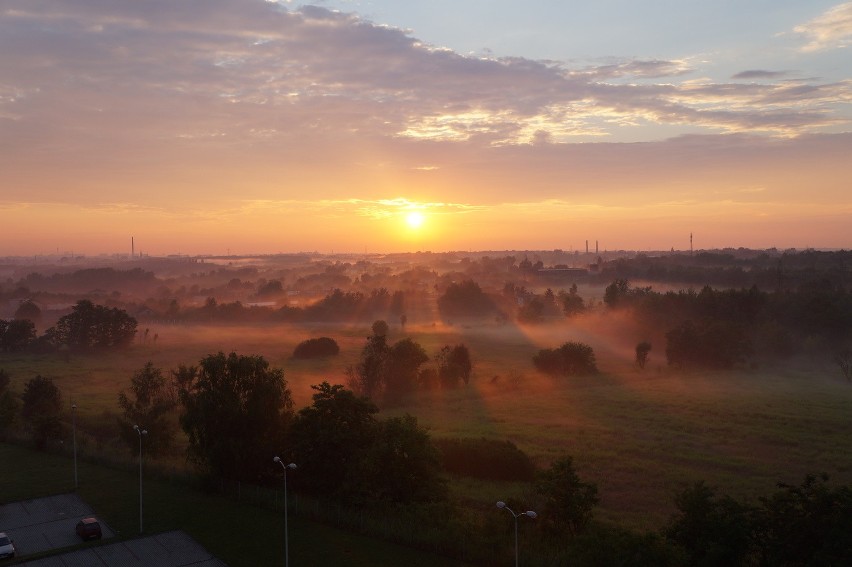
[
  {"x": 640, "y": 436},
  {"x": 237, "y": 534}
]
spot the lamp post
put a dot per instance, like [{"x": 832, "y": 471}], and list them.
[
  {"x": 291, "y": 466},
  {"x": 528, "y": 513},
  {"x": 140, "y": 432},
  {"x": 74, "y": 440}
]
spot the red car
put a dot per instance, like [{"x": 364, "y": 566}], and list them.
[{"x": 89, "y": 528}]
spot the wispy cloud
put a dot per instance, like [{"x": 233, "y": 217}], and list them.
[
  {"x": 753, "y": 74},
  {"x": 830, "y": 30}
]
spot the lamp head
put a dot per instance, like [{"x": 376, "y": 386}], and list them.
[
  {"x": 531, "y": 514},
  {"x": 291, "y": 466},
  {"x": 501, "y": 504}
]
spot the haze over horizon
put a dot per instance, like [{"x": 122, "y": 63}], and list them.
[{"x": 256, "y": 126}]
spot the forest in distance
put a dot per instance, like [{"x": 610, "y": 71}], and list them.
[{"x": 677, "y": 408}]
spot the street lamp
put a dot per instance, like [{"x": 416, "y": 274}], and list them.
[
  {"x": 528, "y": 513},
  {"x": 291, "y": 466},
  {"x": 74, "y": 438},
  {"x": 140, "y": 432}
]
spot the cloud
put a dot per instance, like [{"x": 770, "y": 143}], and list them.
[
  {"x": 228, "y": 75},
  {"x": 759, "y": 74},
  {"x": 830, "y": 30}
]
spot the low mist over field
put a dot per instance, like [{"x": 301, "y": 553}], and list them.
[{"x": 771, "y": 406}]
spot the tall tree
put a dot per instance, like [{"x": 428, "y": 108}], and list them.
[
  {"x": 642, "y": 351},
  {"x": 568, "y": 501},
  {"x": 402, "y": 368},
  {"x": 8, "y": 405},
  {"x": 367, "y": 377},
  {"x": 41, "y": 409},
  {"x": 454, "y": 364},
  {"x": 402, "y": 463},
  {"x": 149, "y": 404},
  {"x": 330, "y": 440},
  {"x": 236, "y": 412}
]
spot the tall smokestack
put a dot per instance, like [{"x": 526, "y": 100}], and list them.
[
  {"x": 596, "y": 246},
  {"x": 587, "y": 247},
  {"x": 132, "y": 248},
  {"x": 690, "y": 244}
]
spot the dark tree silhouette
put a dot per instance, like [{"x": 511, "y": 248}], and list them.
[
  {"x": 149, "y": 405},
  {"x": 91, "y": 326},
  {"x": 568, "y": 501},
  {"x": 642, "y": 351},
  {"x": 41, "y": 409},
  {"x": 236, "y": 411}
]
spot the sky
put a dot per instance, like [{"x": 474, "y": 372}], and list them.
[{"x": 256, "y": 126}]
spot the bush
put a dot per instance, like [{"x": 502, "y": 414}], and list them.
[
  {"x": 485, "y": 458},
  {"x": 571, "y": 359},
  {"x": 316, "y": 348}
]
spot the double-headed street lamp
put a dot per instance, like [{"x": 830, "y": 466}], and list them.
[
  {"x": 528, "y": 513},
  {"x": 140, "y": 432},
  {"x": 291, "y": 466}
]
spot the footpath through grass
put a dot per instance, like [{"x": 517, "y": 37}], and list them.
[{"x": 238, "y": 534}]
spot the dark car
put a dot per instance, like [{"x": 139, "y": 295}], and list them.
[
  {"x": 89, "y": 528},
  {"x": 7, "y": 548}
]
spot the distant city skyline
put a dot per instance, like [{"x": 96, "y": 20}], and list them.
[{"x": 256, "y": 126}]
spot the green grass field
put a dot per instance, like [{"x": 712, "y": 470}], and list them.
[{"x": 641, "y": 436}]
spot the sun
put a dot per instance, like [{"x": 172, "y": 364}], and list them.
[{"x": 415, "y": 219}]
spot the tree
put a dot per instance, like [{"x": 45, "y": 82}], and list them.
[
  {"x": 806, "y": 524},
  {"x": 453, "y": 365},
  {"x": 572, "y": 303},
  {"x": 149, "y": 406},
  {"x": 28, "y": 310},
  {"x": 713, "y": 530},
  {"x": 8, "y": 405},
  {"x": 236, "y": 412},
  {"x": 16, "y": 335},
  {"x": 570, "y": 359},
  {"x": 368, "y": 376},
  {"x": 568, "y": 501},
  {"x": 402, "y": 463},
  {"x": 712, "y": 344},
  {"x": 330, "y": 440},
  {"x": 91, "y": 326},
  {"x": 41, "y": 408},
  {"x": 402, "y": 366},
  {"x": 642, "y": 351},
  {"x": 532, "y": 310},
  {"x": 615, "y": 292},
  {"x": 316, "y": 348},
  {"x": 465, "y": 299}
]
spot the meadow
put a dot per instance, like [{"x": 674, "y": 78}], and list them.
[{"x": 641, "y": 436}]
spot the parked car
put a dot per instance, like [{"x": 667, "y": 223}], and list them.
[
  {"x": 89, "y": 528},
  {"x": 7, "y": 546}
]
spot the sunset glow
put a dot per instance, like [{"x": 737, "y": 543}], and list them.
[
  {"x": 259, "y": 127},
  {"x": 414, "y": 220}
]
